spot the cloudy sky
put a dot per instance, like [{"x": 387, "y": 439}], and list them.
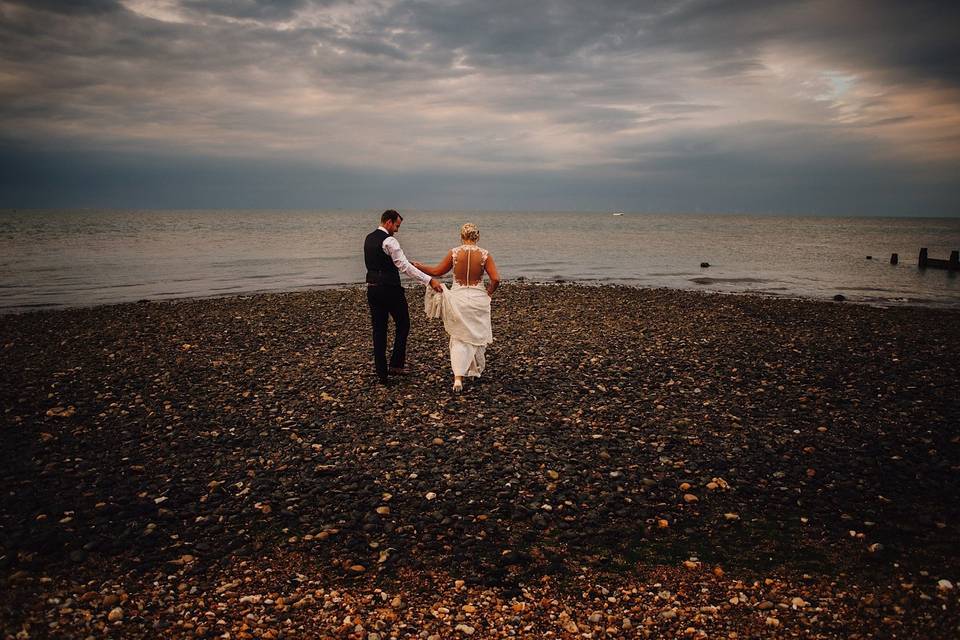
[{"x": 809, "y": 107}]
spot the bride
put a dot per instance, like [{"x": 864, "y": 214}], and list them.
[{"x": 465, "y": 307}]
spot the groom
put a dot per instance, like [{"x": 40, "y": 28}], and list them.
[{"x": 385, "y": 261}]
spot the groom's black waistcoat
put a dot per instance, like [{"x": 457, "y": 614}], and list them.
[{"x": 380, "y": 267}]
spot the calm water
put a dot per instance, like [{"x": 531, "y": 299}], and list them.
[{"x": 71, "y": 258}]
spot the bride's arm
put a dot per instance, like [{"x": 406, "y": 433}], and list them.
[
  {"x": 493, "y": 275},
  {"x": 445, "y": 265}
]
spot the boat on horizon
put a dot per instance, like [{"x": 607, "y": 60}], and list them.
[{"x": 618, "y": 213}]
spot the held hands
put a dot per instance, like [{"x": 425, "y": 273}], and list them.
[{"x": 435, "y": 285}]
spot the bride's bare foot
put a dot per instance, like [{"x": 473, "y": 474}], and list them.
[{"x": 458, "y": 384}]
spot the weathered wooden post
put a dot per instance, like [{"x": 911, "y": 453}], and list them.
[
  {"x": 894, "y": 258},
  {"x": 953, "y": 264}
]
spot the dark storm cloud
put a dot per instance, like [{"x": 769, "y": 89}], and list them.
[
  {"x": 904, "y": 40},
  {"x": 918, "y": 39},
  {"x": 252, "y": 9},
  {"x": 680, "y": 182},
  {"x": 909, "y": 39},
  {"x": 645, "y": 99},
  {"x": 71, "y": 7}
]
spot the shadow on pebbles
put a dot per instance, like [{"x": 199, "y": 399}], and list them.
[{"x": 633, "y": 463}]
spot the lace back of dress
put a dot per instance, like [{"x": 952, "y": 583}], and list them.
[{"x": 468, "y": 250}]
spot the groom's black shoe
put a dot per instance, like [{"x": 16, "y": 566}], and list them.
[
  {"x": 386, "y": 382},
  {"x": 398, "y": 371}
]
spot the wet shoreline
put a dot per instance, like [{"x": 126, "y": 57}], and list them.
[
  {"x": 852, "y": 295},
  {"x": 678, "y": 450}
]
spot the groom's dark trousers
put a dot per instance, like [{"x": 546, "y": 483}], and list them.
[{"x": 385, "y": 301}]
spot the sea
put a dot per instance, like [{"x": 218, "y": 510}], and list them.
[{"x": 53, "y": 259}]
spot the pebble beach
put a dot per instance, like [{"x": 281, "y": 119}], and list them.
[{"x": 633, "y": 463}]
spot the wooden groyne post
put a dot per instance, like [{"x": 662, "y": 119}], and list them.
[{"x": 953, "y": 264}]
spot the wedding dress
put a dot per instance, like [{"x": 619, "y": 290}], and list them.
[{"x": 465, "y": 309}]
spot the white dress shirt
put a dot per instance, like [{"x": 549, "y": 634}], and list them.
[{"x": 392, "y": 248}]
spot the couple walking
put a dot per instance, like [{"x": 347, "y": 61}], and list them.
[{"x": 465, "y": 307}]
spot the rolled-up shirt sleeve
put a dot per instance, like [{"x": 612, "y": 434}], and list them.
[{"x": 392, "y": 248}]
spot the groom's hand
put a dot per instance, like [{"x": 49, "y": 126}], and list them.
[{"x": 435, "y": 285}]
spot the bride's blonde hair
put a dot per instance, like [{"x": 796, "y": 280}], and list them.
[{"x": 470, "y": 231}]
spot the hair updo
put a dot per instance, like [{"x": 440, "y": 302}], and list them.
[{"x": 469, "y": 232}]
